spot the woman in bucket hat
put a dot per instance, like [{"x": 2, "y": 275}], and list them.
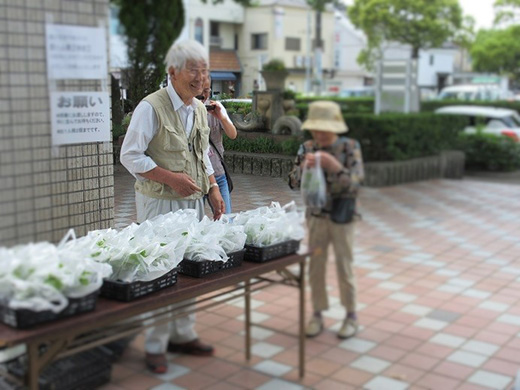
[{"x": 342, "y": 164}]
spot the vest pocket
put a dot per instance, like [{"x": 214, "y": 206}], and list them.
[{"x": 176, "y": 143}]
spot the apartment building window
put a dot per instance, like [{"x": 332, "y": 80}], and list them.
[
  {"x": 432, "y": 59},
  {"x": 259, "y": 41},
  {"x": 292, "y": 44},
  {"x": 236, "y": 42},
  {"x": 199, "y": 30}
]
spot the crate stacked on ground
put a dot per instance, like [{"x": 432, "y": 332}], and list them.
[
  {"x": 84, "y": 371},
  {"x": 272, "y": 232},
  {"x": 213, "y": 246}
]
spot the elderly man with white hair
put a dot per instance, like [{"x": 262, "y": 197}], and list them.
[{"x": 166, "y": 150}]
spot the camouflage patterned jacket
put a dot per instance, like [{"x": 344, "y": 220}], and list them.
[{"x": 344, "y": 184}]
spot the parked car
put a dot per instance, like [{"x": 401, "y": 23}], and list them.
[
  {"x": 474, "y": 92},
  {"x": 500, "y": 121}
]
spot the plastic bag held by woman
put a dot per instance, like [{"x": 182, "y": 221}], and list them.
[{"x": 313, "y": 185}]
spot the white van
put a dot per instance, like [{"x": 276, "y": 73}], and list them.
[
  {"x": 492, "y": 120},
  {"x": 473, "y": 92}
]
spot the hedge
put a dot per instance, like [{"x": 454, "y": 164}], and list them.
[
  {"x": 432, "y": 105},
  {"x": 397, "y": 137},
  {"x": 490, "y": 152}
]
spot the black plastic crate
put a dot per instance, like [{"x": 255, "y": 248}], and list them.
[
  {"x": 202, "y": 268},
  {"x": 83, "y": 371},
  {"x": 24, "y": 318},
  {"x": 266, "y": 253},
  {"x": 117, "y": 348},
  {"x": 128, "y": 291},
  {"x": 8, "y": 384}
]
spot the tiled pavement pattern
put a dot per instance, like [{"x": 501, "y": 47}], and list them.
[{"x": 438, "y": 267}]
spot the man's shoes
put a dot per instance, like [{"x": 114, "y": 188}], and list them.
[
  {"x": 348, "y": 329},
  {"x": 156, "y": 362},
  {"x": 194, "y": 347},
  {"x": 314, "y": 327}
]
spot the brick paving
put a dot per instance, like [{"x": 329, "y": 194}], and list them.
[{"x": 438, "y": 266}]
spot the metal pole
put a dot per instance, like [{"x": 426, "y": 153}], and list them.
[
  {"x": 302, "y": 319},
  {"x": 308, "y": 61},
  {"x": 247, "y": 297}
]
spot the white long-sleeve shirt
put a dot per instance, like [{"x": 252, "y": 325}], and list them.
[{"x": 142, "y": 129}]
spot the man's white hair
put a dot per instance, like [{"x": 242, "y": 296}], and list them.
[{"x": 183, "y": 51}]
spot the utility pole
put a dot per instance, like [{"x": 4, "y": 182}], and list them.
[
  {"x": 308, "y": 59},
  {"x": 318, "y": 77},
  {"x": 319, "y": 7}
]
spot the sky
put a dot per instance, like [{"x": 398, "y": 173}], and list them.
[{"x": 481, "y": 10}]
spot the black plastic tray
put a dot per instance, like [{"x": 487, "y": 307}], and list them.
[
  {"x": 271, "y": 252},
  {"x": 202, "y": 268},
  {"x": 125, "y": 291},
  {"x": 24, "y": 318}
]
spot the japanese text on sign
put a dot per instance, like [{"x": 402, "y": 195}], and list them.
[
  {"x": 76, "y": 52},
  {"x": 79, "y": 117}
]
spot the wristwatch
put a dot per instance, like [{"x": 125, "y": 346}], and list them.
[{"x": 213, "y": 185}]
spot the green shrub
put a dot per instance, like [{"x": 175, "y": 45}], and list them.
[
  {"x": 263, "y": 145},
  {"x": 238, "y": 107},
  {"x": 289, "y": 94},
  {"x": 396, "y": 137},
  {"x": 432, "y": 105},
  {"x": 274, "y": 64},
  {"x": 363, "y": 105},
  {"x": 117, "y": 131},
  {"x": 490, "y": 152}
]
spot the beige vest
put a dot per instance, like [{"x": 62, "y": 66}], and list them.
[{"x": 171, "y": 149}]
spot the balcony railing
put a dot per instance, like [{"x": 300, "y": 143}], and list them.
[{"x": 215, "y": 41}]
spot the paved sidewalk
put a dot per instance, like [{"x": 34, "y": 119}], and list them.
[{"x": 438, "y": 265}]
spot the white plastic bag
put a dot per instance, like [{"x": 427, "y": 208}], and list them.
[
  {"x": 271, "y": 225},
  {"x": 142, "y": 252},
  {"x": 213, "y": 240},
  {"x": 313, "y": 185},
  {"x": 42, "y": 276}
]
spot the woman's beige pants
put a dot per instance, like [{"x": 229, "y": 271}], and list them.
[{"x": 323, "y": 232}]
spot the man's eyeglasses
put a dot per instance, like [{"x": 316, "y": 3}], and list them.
[
  {"x": 196, "y": 71},
  {"x": 201, "y": 98}
]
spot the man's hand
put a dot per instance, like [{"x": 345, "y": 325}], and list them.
[
  {"x": 327, "y": 161},
  {"x": 215, "y": 198},
  {"x": 183, "y": 184}
]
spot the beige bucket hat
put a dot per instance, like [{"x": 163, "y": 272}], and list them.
[{"x": 325, "y": 116}]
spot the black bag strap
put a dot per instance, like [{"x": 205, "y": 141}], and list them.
[{"x": 216, "y": 150}]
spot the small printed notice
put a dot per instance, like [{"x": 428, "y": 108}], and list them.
[
  {"x": 80, "y": 117},
  {"x": 76, "y": 52}
]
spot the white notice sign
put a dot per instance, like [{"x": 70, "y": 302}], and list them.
[
  {"x": 79, "y": 117},
  {"x": 76, "y": 52}
]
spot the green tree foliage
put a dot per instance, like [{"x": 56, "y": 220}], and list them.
[
  {"x": 507, "y": 11},
  {"x": 422, "y": 24},
  {"x": 498, "y": 51},
  {"x": 150, "y": 27},
  {"x": 465, "y": 36}
]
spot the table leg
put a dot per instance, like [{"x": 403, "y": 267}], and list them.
[
  {"x": 247, "y": 298},
  {"x": 33, "y": 366},
  {"x": 302, "y": 319}
]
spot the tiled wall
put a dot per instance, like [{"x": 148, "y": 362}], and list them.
[{"x": 44, "y": 192}]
